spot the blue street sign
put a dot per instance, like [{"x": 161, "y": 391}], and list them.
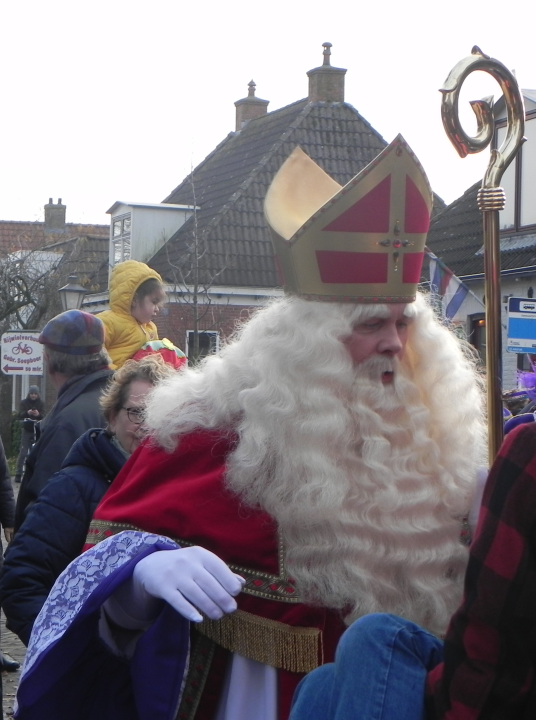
[{"x": 521, "y": 325}]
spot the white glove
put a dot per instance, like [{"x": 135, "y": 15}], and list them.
[{"x": 186, "y": 579}]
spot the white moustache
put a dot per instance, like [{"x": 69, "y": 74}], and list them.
[{"x": 375, "y": 366}]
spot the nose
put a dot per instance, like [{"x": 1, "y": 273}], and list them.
[{"x": 390, "y": 343}]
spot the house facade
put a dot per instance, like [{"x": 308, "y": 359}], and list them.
[{"x": 54, "y": 249}]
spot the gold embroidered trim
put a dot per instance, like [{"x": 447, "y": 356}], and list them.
[
  {"x": 267, "y": 641},
  {"x": 259, "y": 584},
  {"x": 201, "y": 657}
]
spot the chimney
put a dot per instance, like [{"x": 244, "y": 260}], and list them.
[
  {"x": 326, "y": 83},
  {"x": 54, "y": 217},
  {"x": 249, "y": 107}
]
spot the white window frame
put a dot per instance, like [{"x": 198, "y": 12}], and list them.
[{"x": 121, "y": 239}]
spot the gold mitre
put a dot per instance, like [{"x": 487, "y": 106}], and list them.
[{"x": 363, "y": 242}]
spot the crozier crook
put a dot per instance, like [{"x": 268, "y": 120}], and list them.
[{"x": 491, "y": 200}]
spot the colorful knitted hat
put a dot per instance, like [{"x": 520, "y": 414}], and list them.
[
  {"x": 170, "y": 353},
  {"x": 74, "y": 333}
]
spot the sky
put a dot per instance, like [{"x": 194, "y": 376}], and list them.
[{"x": 117, "y": 100}]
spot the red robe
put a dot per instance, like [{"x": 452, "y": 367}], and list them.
[{"x": 183, "y": 495}]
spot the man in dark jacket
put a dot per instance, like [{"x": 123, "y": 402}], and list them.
[
  {"x": 56, "y": 527},
  {"x": 32, "y": 410},
  {"x": 77, "y": 364}
]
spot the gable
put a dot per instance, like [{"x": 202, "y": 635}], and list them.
[{"x": 229, "y": 186}]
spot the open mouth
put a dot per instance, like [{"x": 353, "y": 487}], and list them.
[{"x": 387, "y": 377}]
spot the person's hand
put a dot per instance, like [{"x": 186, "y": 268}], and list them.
[
  {"x": 188, "y": 579},
  {"x": 32, "y": 411},
  {"x": 8, "y": 534}
]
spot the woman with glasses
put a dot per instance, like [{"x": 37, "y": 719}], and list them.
[{"x": 54, "y": 531}]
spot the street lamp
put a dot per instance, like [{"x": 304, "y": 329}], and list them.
[{"x": 72, "y": 294}]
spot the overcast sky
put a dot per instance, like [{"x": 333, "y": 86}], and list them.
[{"x": 116, "y": 100}]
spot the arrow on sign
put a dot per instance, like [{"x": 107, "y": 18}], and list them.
[{"x": 7, "y": 368}]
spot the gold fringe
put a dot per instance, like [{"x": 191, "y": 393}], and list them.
[{"x": 266, "y": 641}]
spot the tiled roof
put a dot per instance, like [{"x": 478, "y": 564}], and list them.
[
  {"x": 87, "y": 256},
  {"x": 456, "y": 237},
  {"x": 229, "y": 186},
  {"x": 15, "y": 235}
]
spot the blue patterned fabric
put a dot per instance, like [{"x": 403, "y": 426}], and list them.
[{"x": 69, "y": 672}]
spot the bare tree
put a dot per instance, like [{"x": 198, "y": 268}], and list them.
[
  {"x": 194, "y": 278},
  {"x": 27, "y": 288}
]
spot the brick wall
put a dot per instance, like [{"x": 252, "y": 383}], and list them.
[{"x": 176, "y": 319}]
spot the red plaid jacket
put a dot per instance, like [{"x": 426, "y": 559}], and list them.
[{"x": 490, "y": 647}]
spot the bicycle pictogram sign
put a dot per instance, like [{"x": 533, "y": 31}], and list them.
[
  {"x": 22, "y": 348},
  {"x": 22, "y": 354}
]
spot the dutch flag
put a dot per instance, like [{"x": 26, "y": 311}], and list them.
[{"x": 445, "y": 284}]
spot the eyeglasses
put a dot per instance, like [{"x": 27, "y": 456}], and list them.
[{"x": 136, "y": 415}]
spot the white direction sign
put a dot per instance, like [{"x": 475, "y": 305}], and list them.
[{"x": 22, "y": 353}]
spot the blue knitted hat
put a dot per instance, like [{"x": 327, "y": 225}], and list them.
[{"x": 74, "y": 333}]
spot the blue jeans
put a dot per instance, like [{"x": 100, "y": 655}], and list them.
[{"x": 379, "y": 673}]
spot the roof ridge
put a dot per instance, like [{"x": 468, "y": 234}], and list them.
[
  {"x": 42, "y": 222},
  {"x": 361, "y": 117},
  {"x": 451, "y": 205},
  {"x": 261, "y": 163},
  {"x": 230, "y": 136},
  {"x": 203, "y": 162}
]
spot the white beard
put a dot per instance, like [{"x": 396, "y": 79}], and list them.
[
  {"x": 371, "y": 523},
  {"x": 366, "y": 481}
]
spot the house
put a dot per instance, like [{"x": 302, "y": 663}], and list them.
[
  {"x": 20, "y": 235},
  {"x": 52, "y": 249},
  {"x": 456, "y": 237},
  {"x": 218, "y": 261}
]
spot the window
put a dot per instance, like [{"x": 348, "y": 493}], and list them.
[
  {"x": 121, "y": 238},
  {"x": 523, "y": 362},
  {"x": 519, "y": 182},
  {"x": 209, "y": 342},
  {"x": 477, "y": 334}
]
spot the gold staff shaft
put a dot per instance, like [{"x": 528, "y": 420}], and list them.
[
  {"x": 490, "y": 202},
  {"x": 492, "y": 290}
]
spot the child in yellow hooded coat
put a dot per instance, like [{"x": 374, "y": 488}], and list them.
[{"x": 136, "y": 296}]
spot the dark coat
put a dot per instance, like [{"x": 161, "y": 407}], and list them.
[
  {"x": 7, "y": 499},
  {"x": 55, "y": 528},
  {"x": 29, "y": 404},
  {"x": 76, "y": 410}
]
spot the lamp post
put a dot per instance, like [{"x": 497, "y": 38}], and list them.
[{"x": 72, "y": 294}]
